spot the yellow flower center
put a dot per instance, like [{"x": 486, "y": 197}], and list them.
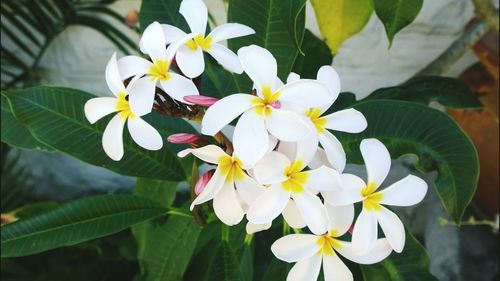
[
  {"x": 160, "y": 70},
  {"x": 205, "y": 43},
  {"x": 296, "y": 178},
  {"x": 123, "y": 106},
  {"x": 314, "y": 115},
  {"x": 372, "y": 198},
  {"x": 263, "y": 105},
  {"x": 231, "y": 167},
  {"x": 328, "y": 243}
]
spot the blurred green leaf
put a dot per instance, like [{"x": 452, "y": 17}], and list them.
[
  {"x": 277, "y": 270},
  {"x": 397, "y": 14},
  {"x": 163, "y": 11},
  {"x": 316, "y": 55}
]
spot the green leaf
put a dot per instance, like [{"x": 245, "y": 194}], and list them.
[
  {"x": 338, "y": 20},
  {"x": 397, "y": 14},
  {"x": 279, "y": 25},
  {"x": 316, "y": 55},
  {"x": 224, "y": 265},
  {"x": 437, "y": 141},
  {"x": 277, "y": 270},
  {"x": 216, "y": 81},
  {"x": 411, "y": 265},
  {"x": 75, "y": 222},
  {"x": 449, "y": 92},
  {"x": 55, "y": 117},
  {"x": 246, "y": 262},
  {"x": 163, "y": 11}
]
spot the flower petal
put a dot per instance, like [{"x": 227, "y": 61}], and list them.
[
  {"x": 365, "y": 232},
  {"x": 319, "y": 159},
  {"x": 292, "y": 77},
  {"x": 335, "y": 269},
  {"x": 129, "y": 66},
  {"x": 113, "y": 79},
  {"x": 230, "y": 30},
  {"x": 250, "y": 138},
  {"x": 307, "y": 269},
  {"x": 379, "y": 252},
  {"x": 323, "y": 179},
  {"x": 347, "y": 120},
  {"x": 312, "y": 210},
  {"x": 153, "y": 41},
  {"x": 112, "y": 138},
  {"x": 393, "y": 228},
  {"x": 268, "y": 205},
  {"x": 406, "y": 192},
  {"x": 303, "y": 150},
  {"x": 144, "y": 134},
  {"x": 377, "y": 160},
  {"x": 259, "y": 64},
  {"x": 295, "y": 247},
  {"x": 248, "y": 189},
  {"x": 191, "y": 62},
  {"x": 175, "y": 46},
  {"x": 172, "y": 33},
  {"x": 328, "y": 76},
  {"x": 210, "y": 191},
  {"x": 142, "y": 96},
  {"x": 226, "y": 58},
  {"x": 227, "y": 206},
  {"x": 270, "y": 169},
  {"x": 178, "y": 87},
  {"x": 287, "y": 126},
  {"x": 333, "y": 149},
  {"x": 292, "y": 215},
  {"x": 196, "y": 14},
  {"x": 252, "y": 228},
  {"x": 209, "y": 153},
  {"x": 224, "y": 111},
  {"x": 350, "y": 193},
  {"x": 97, "y": 108},
  {"x": 305, "y": 93},
  {"x": 341, "y": 218}
]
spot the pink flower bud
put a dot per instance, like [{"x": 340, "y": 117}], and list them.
[
  {"x": 203, "y": 181},
  {"x": 351, "y": 229},
  {"x": 183, "y": 138},
  {"x": 276, "y": 104},
  {"x": 201, "y": 100}
]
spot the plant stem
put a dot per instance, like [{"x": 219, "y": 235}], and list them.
[{"x": 224, "y": 232}]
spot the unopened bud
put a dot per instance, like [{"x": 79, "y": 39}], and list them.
[
  {"x": 351, "y": 229},
  {"x": 132, "y": 18},
  {"x": 203, "y": 181},
  {"x": 183, "y": 138},
  {"x": 201, "y": 100}
]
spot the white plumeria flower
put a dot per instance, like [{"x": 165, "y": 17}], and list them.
[
  {"x": 406, "y": 192},
  {"x": 190, "y": 55},
  {"x": 291, "y": 215},
  {"x": 230, "y": 187},
  {"x": 112, "y": 140},
  {"x": 264, "y": 112},
  {"x": 310, "y": 251},
  {"x": 156, "y": 73},
  {"x": 284, "y": 180},
  {"x": 347, "y": 120}
]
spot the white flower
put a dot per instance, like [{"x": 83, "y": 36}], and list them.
[
  {"x": 221, "y": 188},
  {"x": 266, "y": 111},
  {"x": 112, "y": 140},
  {"x": 284, "y": 180},
  {"x": 406, "y": 192},
  {"x": 190, "y": 55},
  {"x": 310, "y": 251},
  {"x": 156, "y": 72},
  {"x": 347, "y": 120}
]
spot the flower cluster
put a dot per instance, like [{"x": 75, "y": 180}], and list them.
[{"x": 285, "y": 160}]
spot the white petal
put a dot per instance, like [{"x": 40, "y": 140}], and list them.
[
  {"x": 287, "y": 126},
  {"x": 144, "y": 134},
  {"x": 191, "y": 62},
  {"x": 350, "y": 193},
  {"x": 224, "y": 111},
  {"x": 393, "y": 228},
  {"x": 364, "y": 233},
  {"x": 341, "y": 218},
  {"x": 97, "y": 108},
  {"x": 172, "y": 33},
  {"x": 406, "y": 192},
  {"x": 347, "y": 120},
  {"x": 112, "y": 138},
  {"x": 248, "y": 189},
  {"x": 319, "y": 160},
  {"x": 209, "y": 153},
  {"x": 335, "y": 269},
  {"x": 377, "y": 160},
  {"x": 153, "y": 41},
  {"x": 142, "y": 96},
  {"x": 226, "y": 58},
  {"x": 292, "y": 215},
  {"x": 305, "y": 93},
  {"x": 230, "y": 30},
  {"x": 250, "y": 138},
  {"x": 268, "y": 205},
  {"x": 259, "y": 64},
  {"x": 379, "y": 252},
  {"x": 270, "y": 169},
  {"x": 333, "y": 149},
  {"x": 324, "y": 179},
  {"x": 312, "y": 210},
  {"x": 133, "y": 65},
  {"x": 306, "y": 270},
  {"x": 330, "y": 77},
  {"x": 303, "y": 150},
  {"x": 227, "y": 206},
  {"x": 113, "y": 79},
  {"x": 211, "y": 189},
  {"x": 252, "y": 228},
  {"x": 196, "y": 15},
  {"x": 175, "y": 46},
  {"x": 292, "y": 77},
  {"x": 295, "y": 247},
  {"x": 179, "y": 86}
]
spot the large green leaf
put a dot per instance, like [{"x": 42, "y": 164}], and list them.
[
  {"x": 224, "y": 265},
  {"x": 449, "y": 92},
  {"x": 437, "y": 141},
  {"x": 410, "y": 265},
  {"x": 277, "y": 270},
  {"x": 397, "y": 14},
  {"x": 55, "y": 117},
  {"x": 75, "y": 222},
  {"x": 163, "y": 11},
  {"x": 316, "y": 54}
]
